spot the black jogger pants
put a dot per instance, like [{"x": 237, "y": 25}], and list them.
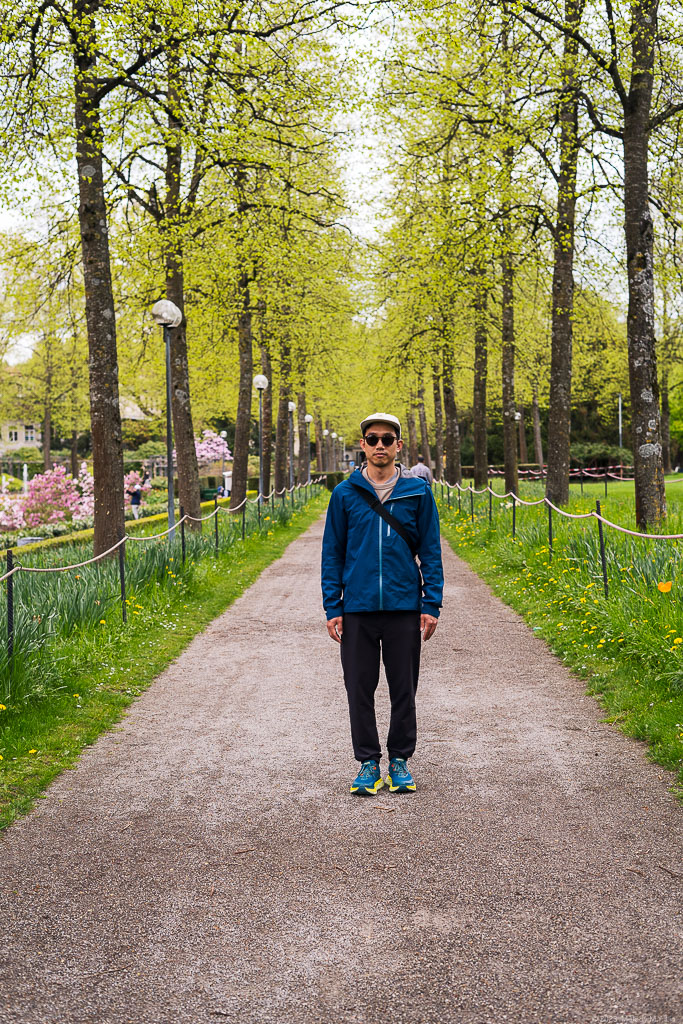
[{"x": 398, "y": 636}]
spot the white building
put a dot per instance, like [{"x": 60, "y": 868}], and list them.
[{"x": 15, "y": 435}]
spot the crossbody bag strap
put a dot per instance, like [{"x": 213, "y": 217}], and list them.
[{"x": 384, "y": 513}]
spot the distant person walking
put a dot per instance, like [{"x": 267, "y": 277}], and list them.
[
  {"x": 377, "y": 598},
  {"x": 420, "y": 469},
  {"x": 135, "y": 495}
]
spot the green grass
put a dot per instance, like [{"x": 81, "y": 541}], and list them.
[
  {"x": 74, "y": 677},
  {"x": 629, "y": 646}
]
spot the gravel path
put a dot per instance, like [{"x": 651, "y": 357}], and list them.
[{"x": 205, "y": 862}]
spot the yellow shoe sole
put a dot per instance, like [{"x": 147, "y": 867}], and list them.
[
  {"x": 400, "y": 789},
  {"x": 367, "y": 790}
]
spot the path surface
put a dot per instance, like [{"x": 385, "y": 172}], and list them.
[{"x": 205, "y": 862}]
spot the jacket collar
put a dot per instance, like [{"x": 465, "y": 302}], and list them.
[{"x": 404, "y": 485}]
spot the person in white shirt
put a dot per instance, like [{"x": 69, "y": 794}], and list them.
[{"x": 421, "y": 470}]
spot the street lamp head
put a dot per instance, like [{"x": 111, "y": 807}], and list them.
[
  {"x": 518, "y": 416},
  {"x": 166, "y": 313},
  {"x": 308, "y": 418},
  {"x": 224, "y": 433},
  {"x": 334, "y": 437},
  {"x": 325, "y": 433},
  {"x": 260, "y": 382},
  {"x": 291, "y": 407}
]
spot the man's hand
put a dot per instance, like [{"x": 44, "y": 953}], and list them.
[
  {"x": 335, "y": 627},
  {"x": 427, "y": 625}
]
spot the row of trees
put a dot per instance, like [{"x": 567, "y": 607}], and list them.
[
  {"x": 201, "y": 140},
  {"x": 523, "y": 133}
]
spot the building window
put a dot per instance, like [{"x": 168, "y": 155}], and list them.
[
  {"x": 13, "y": 434},
  {"x": 29, "y": 433}
]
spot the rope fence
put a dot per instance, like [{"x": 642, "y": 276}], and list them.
[
  {"x": 517, "y": 501},
  {"x": 308, "y": 490}
]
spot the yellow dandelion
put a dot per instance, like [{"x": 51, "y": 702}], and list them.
[{"x": 664, "y": 588}]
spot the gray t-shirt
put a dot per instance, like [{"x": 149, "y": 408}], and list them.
[{"x": 383, "y": 491}]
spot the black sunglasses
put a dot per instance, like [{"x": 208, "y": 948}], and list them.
[{"x": 386, "y": 439}]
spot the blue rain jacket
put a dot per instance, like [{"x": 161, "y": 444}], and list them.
[{"x": 367, "y": 566}]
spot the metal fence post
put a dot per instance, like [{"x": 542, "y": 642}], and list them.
[
  {"x": 472, "y": 502},
  {"x": 10, "y": 609},
  {"x": 490, "y": 507},
  {"x": 244, "y": 515},
  {"x": 182, "y": 531},
  {"x": 459, "y": 500},
  {"x": 215, "y": 516},
  {"x": 514, "y": 515},
  {"x": 606, "y": 481},
  {"x": 602, "y": 551},
  {"x": 550, "y": 534},
  {"x": 581, "y": 478},
  {"x": 122, "y": 577},
  {"x": 272, "y": 501}
]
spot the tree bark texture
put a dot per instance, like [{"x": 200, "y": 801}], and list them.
[
  {"x": 642, "y": 359},
  {"x": 74, "y": 454},
  {"x": 508, "y": 368},
  {"x": 412, "y": 436},
  {"x": 538, "y": 438},
  {"x": 481, "y": 456},
  {"x": 266, "y": 409},
  {"x": 559, "y": 418},
  {"x": 47, "y": 435},
  {"x": 453, "y": 461},
  {"x": 282, "y": 424},
  {"x": 438, "y": 422},
  {"x": 424, "y": 429},
  {"x": 183, "y": 430},
  {"x": 304, "y": 447},
  {"x": 105, "y": 415},
  {"x": 243, "y": 418},
  {"x": 523, "y": 452},
  {"x": 319, "y": 447}
]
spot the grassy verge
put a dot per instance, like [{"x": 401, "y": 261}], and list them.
[
  {"x": 98, "y": 670},
  {"x": 629, "y": 646}
]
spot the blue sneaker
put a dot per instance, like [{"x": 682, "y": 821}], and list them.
[
  {"x": 368, "y": 780},
  {"x": 399, "y": 779}
]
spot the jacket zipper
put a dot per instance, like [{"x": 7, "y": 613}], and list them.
[{"x": 381, "y": 597}]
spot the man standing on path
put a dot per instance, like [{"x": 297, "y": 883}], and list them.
[
  {"x": 376, "y": 597},
  {"x": 422, "y": 470}
]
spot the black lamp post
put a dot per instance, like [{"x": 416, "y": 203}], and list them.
[{"x": 167, "y": 315}]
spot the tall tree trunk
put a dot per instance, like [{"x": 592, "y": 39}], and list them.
[
  {"x": 47, "y": 435},
  {"x": 186, "y": 455},
  {"x": 302, "y": 426},
  {"x": 538, "y": 439},
  {"x": 105, "y": 415},
  {"x": 319, "y": 447},
  {"x": 642, "y": 359},
  {"x": 282, "y": 425},
  {"x": 74, "y": 453},
  {"x": 523, "y": 452},
  {"x": 508, "y": 369},
  {"x": 559, "y": 418},
  {"x": 438, "y": 422},
  {"x": 481, "y": 456},
  {"x": 508, "y": 295},
  {"x": 240, "y": 455},
  {"x": 453, "y": 461},
  {"x": 266, "y": 400},
  {"x": 666, "y": 421},
  {"x": 424, "y": 430},
  {"x": 329, "y": 460},
  {"x": 412, "y": 436}
]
